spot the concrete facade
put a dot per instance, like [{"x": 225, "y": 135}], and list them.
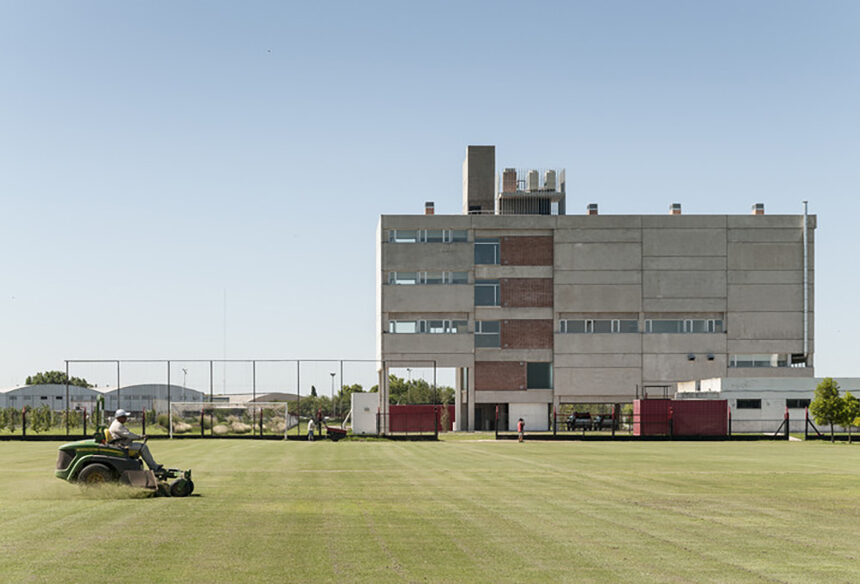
[{"x": 595, "y": 308}]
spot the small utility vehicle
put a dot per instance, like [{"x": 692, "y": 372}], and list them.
[{"x": 95, "y": 461}]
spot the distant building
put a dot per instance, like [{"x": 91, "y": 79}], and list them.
[
  {"x": 535, "y": 308},
  {"x": 148, "y": 396},
  {"x": 134, "y": 398},
  {"x": 52, "y": 395}
]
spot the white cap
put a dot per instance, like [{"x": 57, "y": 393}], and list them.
[{"x": 120, "y": 414}]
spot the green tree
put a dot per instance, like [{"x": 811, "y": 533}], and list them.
[
  {"x": 416, "y": 391},
  {"x": 55, "y": 378},
  {"x": 826, "y": 406},
  {"x": 849, "y": 413},
  {"x": 343, "y": 399}
]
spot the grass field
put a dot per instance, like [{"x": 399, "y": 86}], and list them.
[{"x": 453, "y": 511}]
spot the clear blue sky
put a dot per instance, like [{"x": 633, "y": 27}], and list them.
[{"x": 154, "y": 155}]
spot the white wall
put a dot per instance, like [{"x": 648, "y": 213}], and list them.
[
  {"x": 364, "y": 406},
  {"x": 534, "y": 415}
]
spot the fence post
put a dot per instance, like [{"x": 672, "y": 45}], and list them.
[
  {"x": 496, "y": 425},
  {"x": 614, "y": 419},
  {"x": 554, "y": 421},
  {"x": 730, "y": 421},
  {"x": 806, "y": 423},
  {"x": 787, "y": 422},
  {"x": 671, "y": 423},
  {"x": 261, "y": 422},
  {"x": 202, "y": 430},
  {"x": 436, "y": 421},
  {"x": 24, "y": 422},
  {"x": 85, "y": 422}
]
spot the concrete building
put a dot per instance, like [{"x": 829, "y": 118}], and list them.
[
  {"x": 758, "y": 404},
  {"x": 535, "y": 308}
]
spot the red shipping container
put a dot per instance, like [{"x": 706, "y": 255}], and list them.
[
  {"x": 651, "y": 417},
  {"x": 700, "y": 417},
  {"x": 417, "y": 418}
]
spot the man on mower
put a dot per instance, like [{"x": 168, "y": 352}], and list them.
[{"x": 122, "y": 436}]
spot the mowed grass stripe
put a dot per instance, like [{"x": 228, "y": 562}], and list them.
[{"x": 454, "y": 511}]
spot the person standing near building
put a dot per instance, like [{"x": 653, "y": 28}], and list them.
[
  {"x": 311, "y": 430},
  {"x": 520, "y": 427}
]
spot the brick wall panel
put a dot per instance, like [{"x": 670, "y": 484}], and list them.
[
  {"x": 500, "y": 375},
  {"x": 526, "y": 292},
  {"x": 526, "y": 250},
  {"x": 526, "y": 334}
]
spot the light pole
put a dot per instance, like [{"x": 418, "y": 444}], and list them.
[
  {"x": 332, "y": 393},
  {"x": 184, "y": 376},
  {"x": 408, "y": 374}
]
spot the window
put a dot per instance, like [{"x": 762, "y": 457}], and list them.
[
  {"x": 403, "y": 236},
  {"x": 404, "y": 326},
  {"x": 664, "y": 326},
  {"x": 487, "y": 251},
  {"x": 487, "y": 293},
  {"x": 59, "y": 397},
  {"x": 768, "y": 360},
  {"x": 538, "y": 375},
  {"x": 427, "y": 235},
  {"x": 412, "y": 278},
  {"x": 436, "y": 326},
  {"x": 599, "y": 326},
  {"x": 403, "y": 278},
  {"x": 688, "y": 325},
  {"x": 434, "y": 277},
  {"x": 487, "y": 333},
  {"x": 43, "y": 397},
  {"x": 797, "y": 403},
  {"x": 749, "y": 404}
]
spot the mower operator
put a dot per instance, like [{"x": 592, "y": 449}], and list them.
[{"x": 122, "y": 436}]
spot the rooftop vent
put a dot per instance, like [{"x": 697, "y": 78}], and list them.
[
  {"x": 532, "y": 183},
  {"x": 675, "y": 209},
  {"x": 758, "y": 209},
  {"x": 549, "y": 180},
  {"x": 592, "y": 208},
  {"x": 509, "y": 180},
  {"x": 429, "y": 208}
]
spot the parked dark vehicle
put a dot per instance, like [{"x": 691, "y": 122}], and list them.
[
  {"x": 604, "y": 422},
  {"x": 579, "y": 421}
]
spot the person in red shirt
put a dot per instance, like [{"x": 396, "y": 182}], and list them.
[{"x": 520, "y": 426}]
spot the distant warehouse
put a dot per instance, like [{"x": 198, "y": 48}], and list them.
[{"x": 134, "y": 398}]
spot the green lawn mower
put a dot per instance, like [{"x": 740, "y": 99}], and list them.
[{"x": 94, "y": 462}]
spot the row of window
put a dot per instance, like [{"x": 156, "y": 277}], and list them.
[
  {"x": 427, "y": 235},
  {"x": 755, "y": 404},
  {"x": 656, "y": 326},
  {"x": 410, "y": 278},
  {"x": 487, "y": 249},
  {"x": 428, "y": 326},
  {"x": 769, "y": 360}
]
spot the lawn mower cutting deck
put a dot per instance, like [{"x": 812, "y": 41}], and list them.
[{"x": 94, "y": 462}]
